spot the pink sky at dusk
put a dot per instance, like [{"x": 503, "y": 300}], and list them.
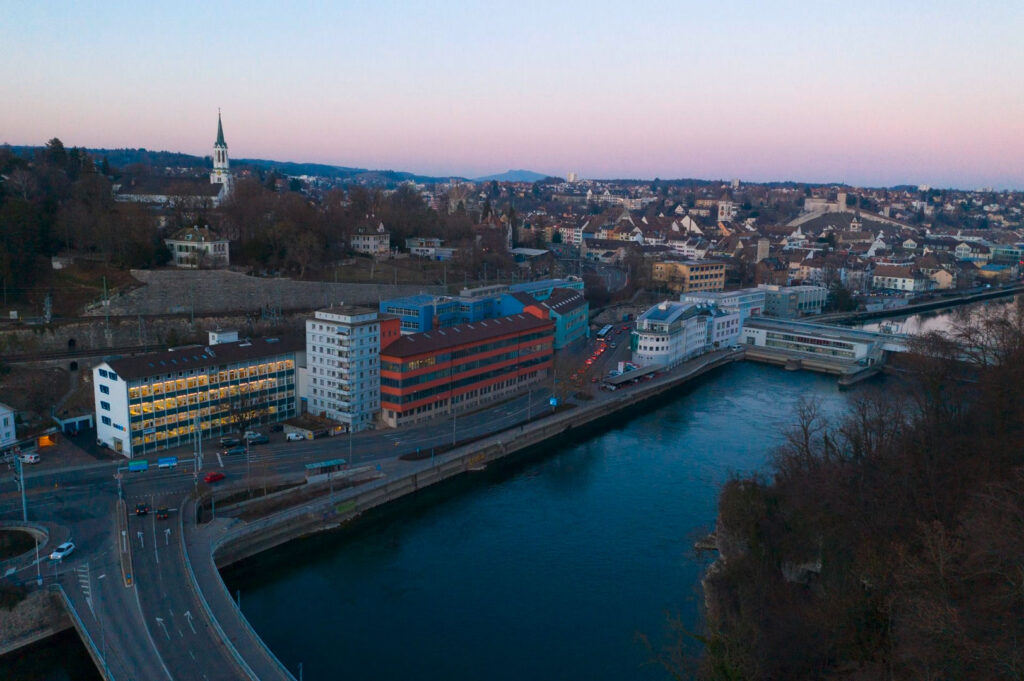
[{"x": 928, "y": 93}]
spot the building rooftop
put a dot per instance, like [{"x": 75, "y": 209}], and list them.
[
  {"x": 669, "y": 311},
  {"x": 464, "y": 334},
  {"x": 414, "y": 300},
  {"x": 198, "y": 357},
  {"x": 346, "y": 310},
  {"x": 168, "y": 186}
]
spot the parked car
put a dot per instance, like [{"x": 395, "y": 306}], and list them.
[
  {"x": 229, "y": 441},
  {"x": 162, "y": 513},
  {"x": 28, "y": 458},
  {"x": 62, "y": 551},
  {"x": 294, "y": 437},
  {"x": 141, "y": 509},
  {"x": 250, "y": 434},
  {"x": 237, "y": 449},
  {"x": 259, "y": 440},
  {"x": 213, "y": 476}
]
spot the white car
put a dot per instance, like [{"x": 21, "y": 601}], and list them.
[
  {"x": 62, "y": 551},
  {"x": 294, "y": 437},
  {"x": 28, "y": 458}
]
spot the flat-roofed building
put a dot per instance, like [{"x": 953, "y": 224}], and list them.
[
  {"x": 791, "y": 302},
  {"x": 690, "y": 275},
  {"x": 343, "y": 347},
  {"x": 673, "y": 332},
  {"x": 445, "y": 371},
  {"x": 156, "y": 401},
  {"x": 815, "y": 340}
]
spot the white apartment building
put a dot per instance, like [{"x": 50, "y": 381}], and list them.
[
  {"x": 899, "y": 278},
  {"x": 673, "y": 332},
  {"x": 8, "y": 436},
  {"x": 375, "y": 243},
  {"x": 343, "y": 360}
]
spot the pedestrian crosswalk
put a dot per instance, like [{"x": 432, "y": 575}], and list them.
[{"x": 84, "y": 581}]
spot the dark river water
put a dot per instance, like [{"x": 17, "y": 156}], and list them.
[{"x": 547, "y": 567}]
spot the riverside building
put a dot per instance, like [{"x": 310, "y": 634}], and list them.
[
  {"x": 343, "y": 347},
  {"x": 670, "y": 333},
  {"x": 152, "y": 402},
  {"x": 426, "y": 375}
]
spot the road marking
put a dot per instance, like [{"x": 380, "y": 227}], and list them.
[
  {"x": 160, "y": 621},
  {"x": 188, "y": 618}
]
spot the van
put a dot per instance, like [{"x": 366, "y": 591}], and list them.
[{"x": 28, "y": 458}]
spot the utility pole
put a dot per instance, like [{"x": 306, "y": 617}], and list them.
[{"x": 21, "y": 485}]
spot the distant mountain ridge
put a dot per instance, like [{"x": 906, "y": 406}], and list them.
[
  {"x": 120, "y": 158},
  {"x": 514, "y": 176}
]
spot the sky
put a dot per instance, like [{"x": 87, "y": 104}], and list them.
[{"x": 867, "y": 93}]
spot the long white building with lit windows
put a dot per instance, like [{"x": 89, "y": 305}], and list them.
[{"x": 153, "y": 402}]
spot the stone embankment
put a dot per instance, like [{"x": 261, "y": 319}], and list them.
[
  {"x": 244, "y": 539},
  {"x": 212, "y": 291}
]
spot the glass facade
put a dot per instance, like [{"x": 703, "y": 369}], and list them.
[{"x": 166, "y": 411}]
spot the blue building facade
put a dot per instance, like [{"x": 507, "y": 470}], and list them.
[{"x": 424, "y": 312}]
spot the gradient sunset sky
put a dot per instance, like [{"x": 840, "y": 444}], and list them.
[{"x": 869, "y": 93}]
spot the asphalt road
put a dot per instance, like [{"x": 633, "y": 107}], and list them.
[{"x": 158, "y": 629}]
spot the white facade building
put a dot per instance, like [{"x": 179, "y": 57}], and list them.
[
  {"x": 375, "y": 243},
  {"x": 8, "y": 436},
  {"x": 814, "y": 340},
  {"x": 147, "y": 403},
  {"x": 673, "y": 332},
  {"x": 198, "y": 247},
  {"x": 343, "y": 359}
]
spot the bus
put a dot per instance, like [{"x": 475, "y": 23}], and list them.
[{"x": 605, "y": 330}]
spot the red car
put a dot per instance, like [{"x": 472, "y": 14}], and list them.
[{"x": 215, "y": 476}]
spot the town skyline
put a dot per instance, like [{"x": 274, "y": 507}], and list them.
[{"x": 869, "y": 96}]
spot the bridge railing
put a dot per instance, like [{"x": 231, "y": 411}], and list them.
[
  {"x": 209, "y": 610},
  {"x": 94, "y": 651}
]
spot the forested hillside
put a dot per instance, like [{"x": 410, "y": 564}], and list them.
[{"x": 889, "y": 545}]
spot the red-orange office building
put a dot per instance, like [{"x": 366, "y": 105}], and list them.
[{"x": 425, "y": 375}]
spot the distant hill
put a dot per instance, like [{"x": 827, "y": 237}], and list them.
[
  {"x": 514, "y": 176},
  {"x": 121, "y": 158},
  {"x": 358, "y": 175}
]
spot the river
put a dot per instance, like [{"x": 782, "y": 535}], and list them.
[
  {"x": 939, "y": 320},
  {"x": 546, "y": 567}
]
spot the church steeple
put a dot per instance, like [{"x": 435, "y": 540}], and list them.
[
  {"x": 220, "y": 174},
  {"x": 220, "y": 133}
]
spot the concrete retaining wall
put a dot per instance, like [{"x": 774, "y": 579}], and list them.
[{"x": 247, "y": 539}]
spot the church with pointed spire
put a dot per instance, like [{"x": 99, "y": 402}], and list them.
[{"x": 220, "y": 173}]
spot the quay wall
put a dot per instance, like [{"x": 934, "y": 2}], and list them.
[{"x": 246, "y": 539}]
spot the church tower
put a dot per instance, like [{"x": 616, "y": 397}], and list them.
[{"x": 219, "y": 174}]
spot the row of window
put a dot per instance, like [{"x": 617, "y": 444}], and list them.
[
  {"x": 202, "y": 380},
  {"x": 460, "y": 383},
  {"x": 408, "y": 381}
]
